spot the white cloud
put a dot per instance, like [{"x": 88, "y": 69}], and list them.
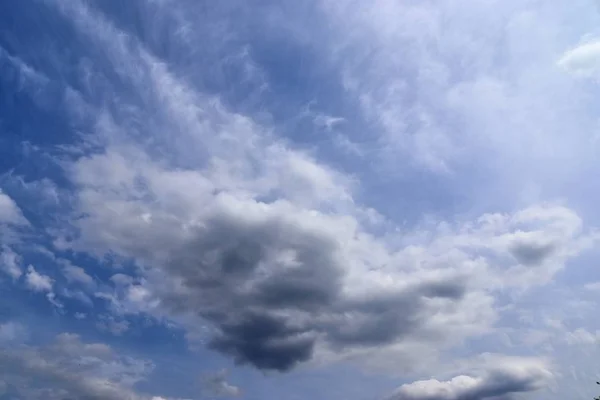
[
  {"x": 10, "y": 213},
  {"x": 10, "y": 262},
  {"x": 38, "y": 282},
  {"x": 473, "y": 96},
  {"x": 507, "y": 376},
  {"x": 582, "y": 336},
  {"x": 583, "y": 60}
]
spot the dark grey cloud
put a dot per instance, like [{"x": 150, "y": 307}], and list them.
[
  {"x": 502, "y": 379},
  {"x": 272, "y": 288},
  {"x": 531, "y": 253}
]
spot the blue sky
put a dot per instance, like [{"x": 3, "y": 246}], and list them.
[{"x": 334, "y": 199}]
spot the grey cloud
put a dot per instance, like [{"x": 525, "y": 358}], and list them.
[
  {"x": 532, "y": 253},
  {"x": 264, "y": 341},
  {"x": 278, "y": 282},
  {"x": 272, "y": 286},
  {"x": 217, "y": 385},
  {"x": 509, "y": 376}
]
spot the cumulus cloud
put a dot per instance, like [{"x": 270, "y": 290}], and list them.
[
  {"x": 71, "y": 368},
  {"x": 278, "y": 281},
  {"x": 507, "y": 377},
  {"x": 38, "y": 282}
]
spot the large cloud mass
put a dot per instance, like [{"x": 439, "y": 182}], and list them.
[{"x": 267, "y": 245}]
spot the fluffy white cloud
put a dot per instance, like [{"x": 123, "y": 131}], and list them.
[
  {"x": 583, "y": 60},
  {"x": 506, "y": 377},
  {"x": 10, "y": 213},
  {"x": 38, "y": 282}
]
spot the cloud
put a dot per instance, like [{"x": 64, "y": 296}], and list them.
[
  {"x": 583, "y": 60},
  {"x": 12, "y": 222},
  {"x": 216, "y": 385},
  {"x": 582, "y": 336},
  {"x": 234, "y": 229},
  {"x": 38, "y": 282},
  {"x": 458, "y": 96},
  {"x": 11, "y": 332},
  {"x": 75, "y": 274},
  {"x": 110, "y": 324},
  {"x": 10, "y": 213},
  {"x": 503, "y": 379},
  {"x": 279, "y": 282},
  {"x": 272, "y": 256},
  {"x": 10, "y": 262},
  {"x": 71, "y": 368}
]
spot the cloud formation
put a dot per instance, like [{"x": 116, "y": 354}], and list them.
[
  {"x": 38, "y": 282},
  {"x": 216, "y": 385},
  {"x": 583, "y": 60},
  {"x": 10, "y": 213},
  {"x": 233, "y": 228},
  {"x": 277, "y": 280},
  {"x": 70, "y": 368},
  {"x": 505, "y": 378},
  {"x": 394, "y": 184}
]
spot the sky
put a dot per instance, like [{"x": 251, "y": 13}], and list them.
[{"x": 324, "y": 199}]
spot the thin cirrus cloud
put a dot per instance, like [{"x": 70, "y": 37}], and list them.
[{"x": 185, "y": 197}]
